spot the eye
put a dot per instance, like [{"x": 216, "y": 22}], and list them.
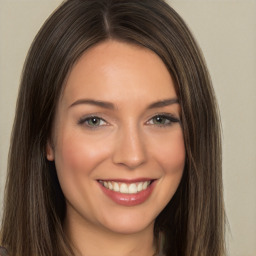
[
  {"x": 93, "y": 121},
  {"x": 163, "y": 120}
]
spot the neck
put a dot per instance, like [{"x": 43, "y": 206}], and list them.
[{"x": 91, "y": 241}]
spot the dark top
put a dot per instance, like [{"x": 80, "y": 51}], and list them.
[{"x": 3, "y": 251}]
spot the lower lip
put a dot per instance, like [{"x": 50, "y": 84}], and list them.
[{"x": 129, "y": 199}]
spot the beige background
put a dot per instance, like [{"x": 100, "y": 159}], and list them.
[{"x": 226, "y": 31}]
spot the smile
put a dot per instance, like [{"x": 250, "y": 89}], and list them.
[
  {"x": 125, "y": 188},
  {"x": 128, "y": 193}
]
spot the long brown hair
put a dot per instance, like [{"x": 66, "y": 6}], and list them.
[{"x": 193, "y": 223}]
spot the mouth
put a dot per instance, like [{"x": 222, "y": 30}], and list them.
[
  {"x": 126, "y": 187},
  {"x": 128, "y": 192}
]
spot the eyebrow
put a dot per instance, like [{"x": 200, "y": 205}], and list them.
[
  {"x": 163, "y": 103},
  {"x": 109, "y": 105},
  {"x": 102, "y": 104}
]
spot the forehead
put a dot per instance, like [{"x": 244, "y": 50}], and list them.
[{"x": 112, "y": 69}]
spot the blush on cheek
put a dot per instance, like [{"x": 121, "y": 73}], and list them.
[
  {"x": 80, "y": 154},
  {"x": 178, "y": 157},
  {"x": 172, "y": 158},
  {"x": 72, "y": 158}
]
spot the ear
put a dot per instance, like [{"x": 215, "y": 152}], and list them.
[{"x": 49, "y": 151}]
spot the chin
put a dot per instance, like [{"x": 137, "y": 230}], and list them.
[{"x": 129, "y": 223}]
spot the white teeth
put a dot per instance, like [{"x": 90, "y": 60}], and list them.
[
  {"x": 125, "y": 188},
  {"x": 105, "y": 184},
  {"x": 133, "y": 189},
  {"x": 139, "y": 186},
  {"x": 145, "y": 185},
  {"x": 110, "y": 186},
  {"x": 116, "y": 187}
]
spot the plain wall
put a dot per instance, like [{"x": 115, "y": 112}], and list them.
[{"x": 226, "y": 32}]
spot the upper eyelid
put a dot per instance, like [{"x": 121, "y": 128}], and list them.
[
  {"x": 167, "y": 115},
  {"x": 85, "y": 118}
]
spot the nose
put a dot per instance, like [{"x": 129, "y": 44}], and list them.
[{"x": 130, "y": 150}]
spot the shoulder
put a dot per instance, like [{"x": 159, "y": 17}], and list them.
[{"x": 3, "y": 251}]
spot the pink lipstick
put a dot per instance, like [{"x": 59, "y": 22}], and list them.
[{"x": 128, "y": 192}]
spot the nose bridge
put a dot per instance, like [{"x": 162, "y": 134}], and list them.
[{"x": 129, "y": 147}]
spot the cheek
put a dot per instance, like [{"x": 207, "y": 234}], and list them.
[
  {"x": 174, "y": 160},
  {"x": 170, "y": 154},
  {"x": 171, "y": 157},
  {"x": 76, "y": 156}
]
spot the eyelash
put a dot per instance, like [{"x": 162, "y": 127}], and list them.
[{"x": 166, "y": 116}]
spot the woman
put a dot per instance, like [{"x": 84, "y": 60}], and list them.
[{"x": 116, "y": 143}]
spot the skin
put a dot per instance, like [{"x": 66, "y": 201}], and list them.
[{"x": 127, "y": 142}]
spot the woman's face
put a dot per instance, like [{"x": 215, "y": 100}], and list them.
[{"x": 117, "y": 139}]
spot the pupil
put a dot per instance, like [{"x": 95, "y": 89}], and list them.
[
  {"x": 159, "y": 119},
  {"x": 94, "y": 121}
]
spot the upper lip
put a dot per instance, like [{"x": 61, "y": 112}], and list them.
[{"x": 128, "y": 180}]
